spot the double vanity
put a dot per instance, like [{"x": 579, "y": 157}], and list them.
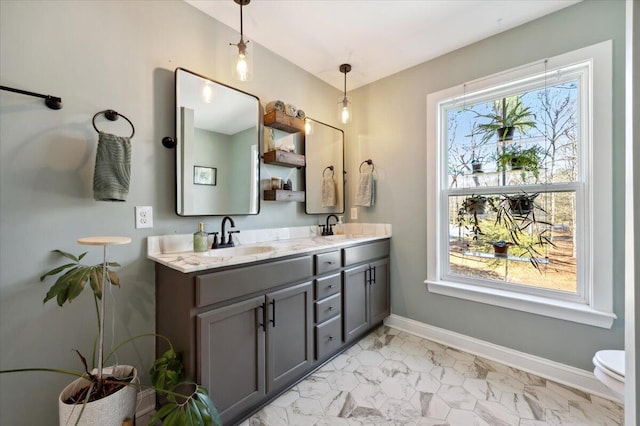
[{"x": 252, "y": 320}]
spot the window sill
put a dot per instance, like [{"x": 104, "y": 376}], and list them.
[{"x": 568, "y": 311}]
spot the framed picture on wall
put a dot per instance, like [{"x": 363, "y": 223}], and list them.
[{"x": 205, "y": 175}]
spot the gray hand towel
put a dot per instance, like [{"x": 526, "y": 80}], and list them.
[
  {"x": 366, "y": 190},
  {"x": 328, "y": 191},
  {"x": 113, "y": 168},
  {"x": 274, "y": 106}
]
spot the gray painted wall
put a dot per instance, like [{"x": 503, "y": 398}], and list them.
[
  {"x": 390, "y": 128},
  {"x": 98, "y": 55},
  {"x": 47, "y": 157}
]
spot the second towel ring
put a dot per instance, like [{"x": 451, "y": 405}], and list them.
[
  {"x": 369, "y": 162},
  {"x": 328, "y": 168},
  {"x": 112, "y": 115}
]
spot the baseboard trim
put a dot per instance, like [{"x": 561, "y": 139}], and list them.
[
  {"x": 146, "y": 402},
  {"x": 561, "y": 373}
]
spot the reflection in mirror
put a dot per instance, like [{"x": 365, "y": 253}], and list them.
[
  {"x": 324, "y": 172},
  {"x": 217, "y": 150}
]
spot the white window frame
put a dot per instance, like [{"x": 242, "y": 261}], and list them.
[{"x": 593, "y": 305}]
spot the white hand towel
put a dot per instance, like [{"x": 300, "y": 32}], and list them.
[
  {"x": 328, "y": 191},
  {"x": 366, "y": 190},
  {"x": 274, "y": 106}
]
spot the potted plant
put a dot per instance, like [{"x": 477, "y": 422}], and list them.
[
  {"x": 112, "y": 391},
  {"x": 501, "y": 248},
  {"x": 515, "y": 157},
  {"x": 522, "y": 228},
  {"x": 507, "y": 115},
  {"x": 468, "y": 212}
]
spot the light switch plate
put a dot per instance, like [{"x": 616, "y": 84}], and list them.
[
  {"x": 144, "y": 217},
  {"x": 354, "y": 212}
]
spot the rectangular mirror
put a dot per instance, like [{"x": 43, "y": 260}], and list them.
[
  {"x": 324, "y": 172},
  {"x": 217, "y": 148}
]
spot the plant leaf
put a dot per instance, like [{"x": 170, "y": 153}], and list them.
[
  {"x": 57, "y": 270},
  {"x": 113, "y": 277},
  {"x": 60, "y": 287}
]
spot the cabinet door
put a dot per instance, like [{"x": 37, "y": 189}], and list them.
[
  {"x": 354, "y": 296},
  {"x": 379, "y": 306},
  {"x": 289, "y": 334},
  {"x": 231, "y": 346}
]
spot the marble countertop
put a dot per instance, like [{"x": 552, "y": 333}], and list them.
[{"x": 176, "y": 251}]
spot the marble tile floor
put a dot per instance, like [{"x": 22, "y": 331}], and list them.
[{"x": 395, "y": 378}]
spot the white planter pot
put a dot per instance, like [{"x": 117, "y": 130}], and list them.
[{"x": 109, "y": 411}]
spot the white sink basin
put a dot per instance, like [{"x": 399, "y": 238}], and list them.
[
  {"x": 335, "y": 237},
  {"x": 237, "y": 251}
]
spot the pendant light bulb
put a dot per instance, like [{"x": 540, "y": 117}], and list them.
[
  {"x": 344, "y": 103},
  {"x": 241, "y": 60}
]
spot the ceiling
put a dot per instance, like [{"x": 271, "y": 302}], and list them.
[{"x": 377, "y": 37}]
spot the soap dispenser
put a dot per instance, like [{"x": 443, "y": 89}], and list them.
[{"x": 200, "y": 239}]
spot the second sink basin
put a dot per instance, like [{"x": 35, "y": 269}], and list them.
[{"x": 237, "y": 251}]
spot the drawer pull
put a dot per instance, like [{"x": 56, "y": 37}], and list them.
[
  {"x": 330, "y": 286},
  {"x": 331, "y": 338},
  {"x": 273, "y": 313},
  {"x": 331, "y": 308},
  {"x": 330, "y": 262}
]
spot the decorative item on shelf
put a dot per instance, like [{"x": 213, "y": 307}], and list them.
[
  {"x": 282, "y": 116},
  {"x": 276, "y": 182},
  {"x": 52, "y": 102},
  {"x": 508, "y": 115},
  {"x": 344, "y": 103},
  {"x": 515, "y": 157},
  {"x": 108, "y": 395},
  {"x": 288, "y": 186},
  {"x": 113, "y": 162},
  {"x": 365, "y": 195},
  {"x": 242, "y": 65}
]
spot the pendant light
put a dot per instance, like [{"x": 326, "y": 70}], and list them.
[
  {"x": 242, "y": 64},
  {"x": 344, "y": 103}
]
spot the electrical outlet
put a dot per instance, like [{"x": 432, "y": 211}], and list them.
[
  {"x": 144, "y": 217},
  {"x": 354, "y": 212}
]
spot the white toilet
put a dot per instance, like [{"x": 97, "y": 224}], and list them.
[{"x": 609, "y": 369}]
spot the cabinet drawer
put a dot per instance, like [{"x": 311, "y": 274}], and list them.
[
  {"x": 327, "y": 286},
  {"x": 328, "y": 308},
  {"x": 328, "y": 337},
  {"x": 226, "y": 285},
  {"x": 366, "y": 252},
  {"x": 327, "y": 262}
]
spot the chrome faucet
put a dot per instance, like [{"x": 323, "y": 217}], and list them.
[
  {"x": 328, "y": 228},
  {"x": 223, "y": 239}
]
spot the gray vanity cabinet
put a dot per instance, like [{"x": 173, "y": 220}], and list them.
[
  {"x": 250, "y": 331},
  {"x": 289, "y": 334},
  {"x": 232, "y": 355},
  {"x": 366, "y": 290}
]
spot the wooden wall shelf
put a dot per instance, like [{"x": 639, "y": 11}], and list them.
[
  {"x": 281, "y": 121},
  {"x": 283, "y": 195},
  {"x": 284, "y": 158}
]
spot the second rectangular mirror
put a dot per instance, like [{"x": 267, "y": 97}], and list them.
[{"x": 324, "y": 172}]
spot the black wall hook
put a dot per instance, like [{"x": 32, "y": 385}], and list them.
[{"x": 169, "y": 142}]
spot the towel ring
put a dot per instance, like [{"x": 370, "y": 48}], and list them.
[
  {"x": 329, "y": 168},
  {"x": 369, "y": 162},
  {"x": 112, "y": 115}
]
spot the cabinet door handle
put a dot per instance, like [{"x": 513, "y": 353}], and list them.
[
  {"x": 331, "y": 338},
  {"x": 367, "y": 276},
  {"x": 273, "y": 312},
  {"x": 374, "y": 275},
  {"x": 264, "y": 314}
]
